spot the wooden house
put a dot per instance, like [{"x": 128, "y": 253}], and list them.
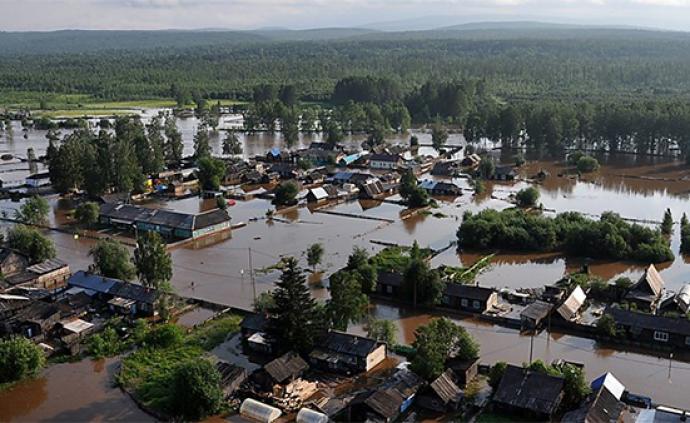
[
  {"x": 469, "y": 298},
  {"x": 349, "y": 354},
  {"x": 654, "y": 330},
  {"x": 529, "y": 393},
  {"x": 569, "y": 310},
  {"x": 389, "y": 284},
  {"x": 534, "y": 315},
  {"x": 647, "y": 292}
]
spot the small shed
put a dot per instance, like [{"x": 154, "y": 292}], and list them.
[
  {"x": 443, "y": 393},
  {"x": 286, "y": 368},
  {"x": 231, "y": 377},
  {"x": 259, "y": 411},
  {"x": 570, "y": 308},
  {"x": 647, "y": 291},
  {"x": 527, "y": 391},
  {"x": 533, "y": 316}
]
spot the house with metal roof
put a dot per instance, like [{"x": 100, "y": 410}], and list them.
[
  {"x": 534, "y": 315},
  {"x": 651, "y": 329},
  {"x": 440, "y": 188},
  {"x": 647, "y": 292},
  {"x": 385, "y": 161},
  {"x": 529, "y": 392},
  {"x": 349, "y": 354},
  {"x": 121, "y": 296},
  {"x": 469, "y": 298},
  {"x": 569, "y": 309}
]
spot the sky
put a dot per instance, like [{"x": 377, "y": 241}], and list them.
[{"x": 32, "y": 15}]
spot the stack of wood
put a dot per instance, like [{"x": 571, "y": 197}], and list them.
[{"x": 291, "y": 397}]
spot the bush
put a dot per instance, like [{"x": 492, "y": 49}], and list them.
[
  {"x": 87, "y": 214},
  {"x": 30, "y": 242},
  {"x": 19, "y": 358},
  {"x": 34, "y": 211},
  {"x": 527, "y": 197},
  {"x": 164, "y": 336},
  {"x": 106, "y": 344},
  {"x": 606, "y": 326},
  {"x": 496, "y": 374},
  {"x": 211, "y": 173},
  {"x": 587, "y": 164},
  {"x": 286, "y": 194},
  {"x": 196, "y": 391}
]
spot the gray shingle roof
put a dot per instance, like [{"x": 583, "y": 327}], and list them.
[
  {"x": 345, "y": 343},
  {"x": 529, "y": 390}
]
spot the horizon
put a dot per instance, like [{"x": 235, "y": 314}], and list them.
[{"x": 411, "y": 15}]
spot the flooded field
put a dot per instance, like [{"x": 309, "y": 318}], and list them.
[{"x": 217, "y": 268}]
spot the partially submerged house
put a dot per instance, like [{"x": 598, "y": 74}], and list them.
[
  {"x": 678, "y": 303},
  {"x": 385, "y": 161},
  {"x": 349, "y": 354},
  {"x": 129, "y": 299},
  {"x": 570, "y": 308},
  {"x": 442, "y": 395},
  {"x": 469, "y": 298},
  {"x": 529, "y": 392},
  {"x": 389, "y": 284},
  {"x": 253, "y": 330},
  {"x": 504, "y": 173},
  {"x": 388, "y": 401},
  {"x": 534, "y": 315},
  {"x": 440, "y": 188},
  {"x": 650, "y": 329},
  {"x": 170, "y": 224},
  {"x": 647, "y": 292},
  {"x": 51, "y": 275}
]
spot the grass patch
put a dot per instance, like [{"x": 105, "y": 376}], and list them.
[
  {"x": 395, "y": 259},
  {"x": 148, "y": 372}
]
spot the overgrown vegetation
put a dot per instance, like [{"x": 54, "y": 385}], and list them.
[
  {"x": 610, "y": 237},
  {"x": 31, "y": 242},
  {"x": 167, "y": 361},
  {"x": 19, "y": 358}
]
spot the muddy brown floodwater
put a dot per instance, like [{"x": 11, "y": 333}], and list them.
[
  {"x": 70, "y": 392},
  {"x": 638, "y": 188}
]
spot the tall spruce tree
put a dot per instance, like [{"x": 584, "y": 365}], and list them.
[{"x": 295, "y": 320}]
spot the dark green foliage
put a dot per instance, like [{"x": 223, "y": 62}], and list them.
[
  {"x": 367, "y": 272},
  {"x": 111, "y": 259},
  {"x": 382, "y": 330},
  {"x": 486, "y": 168},
  {"x": 439, "y": 136},
  {"x": 196, "y": 391},
  {"x": 264, "y": 302},
  {"x": 34, "y": 211},
  {"x": 164, "y": 336},
  {"x": 286, "y": 194},
  {"x": 152, "y": 260},
  {"x": 496, "y": 374},
  {"x": 295, "y": 319},
  {"x": 87, "y": 213},
  {"x": 366, "y": 90},
  {"x": 667, "y": 223},
  {"x": 610, "y": 237},
  {"x": 587, "y": 164},
  {"x": 527, "y": 197},
  {"x": 435, "y": 342},
  {"x": 606, "y": 326},
  {"x": 348, "y": 304},
  {"x": 575, "y": 386},
  {"x": 19, "y": 358},
  {"x": 231, "y": 144},
  {"x": 106, "y": 343},
  {"x": 684, "y": 234},
  {"x": 31, "y": 242},
  {"x": 314, "y": 255},
  {"x": 211, "y": 173},
  {"x": 421, "y": 284},
  {"x": 414, "y": 195}
]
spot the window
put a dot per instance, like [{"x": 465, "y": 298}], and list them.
[
  {"x": 687, "y": 341},
  {"x": 389, "y": 289},
  {"x": 476, "y": 304},
  {"x": 660, "y": 336},
  {"x": 464, "y": 302}
]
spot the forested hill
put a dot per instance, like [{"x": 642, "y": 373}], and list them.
[{"x": 519, "y": 63}]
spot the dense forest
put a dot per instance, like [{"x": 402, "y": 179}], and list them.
[{"x": 514, "y": 65}]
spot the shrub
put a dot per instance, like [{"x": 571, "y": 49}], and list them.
[
  {"x": 87, "y": 213},
  {"x": 606, "y": 326},
  {"x": 527, "y": 197},
  {"x": 286, "y": 193},
  {"x": 196, "y": 391},
  {"x": 31, "y": 242},
  {"x": 496, "y": 374},
  {"x": 19, "y": 358},
  {"x": 164, "y": 336},
  {"x": 587, "y": 164}
]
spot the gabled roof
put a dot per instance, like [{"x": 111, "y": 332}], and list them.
[
  {"x": 468, "y": 291},
  {"x": 529, "y": 390},
  {"x": 389, "y": 278},
  {"x": 47, "y": 266},
  {"x": 610, "y": 382},
  {"x": 568, "y": 310},
  {"x": 131, "y": 291},
  {"x": 210, "y": 218},
  {"x": 344, "y": 343},
  {"x": 91, "y": 281},
  {"x": 639, "y": 321},
  {"x": 650, "y": 282},
  {"x": 536, "y": 311},
  {"x": 602, "y": 407},
  {"x": 388, "y": 399},
  {"x": 319, "y": 193},
  {"x": 385, "y": 157},
  {"x": 113, "y": 287},
  {"x": 287, "y": 366},
  {"x": 444, "y": 386}
]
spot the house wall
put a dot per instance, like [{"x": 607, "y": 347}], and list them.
[
  {"x": 377, "y": 164},
  {"x": 211, "y": 229},
  {"x": 12, "y": 264},
  {"x": 55, "y": 279},
  {"x": 466, "y": 304},
  {"x": 376, "y": 357},
  {"x": 657, "y": 337}
]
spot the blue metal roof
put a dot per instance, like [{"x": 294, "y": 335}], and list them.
[
  {"x": 93, "y": 282},
  {"x": 275, "y": 151},
  {"x": 351, "y": 158}
]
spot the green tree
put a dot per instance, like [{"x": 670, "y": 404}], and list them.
[
  {"x": 314, "y": 255},
  {"x": 496, "y": 374},
  {"x": 264, "y": 302},
  {"x": 30, "y": 242},
  {"x": 347, "y": 303},
  {"x": 486, "y": 168},
  {"x": 359, "y": 262},
  {"x": 587, "y": 164},
  {"x": 414, "y": 141},
  {"x": 87, "y": 213},
  {"x": 439, "y": 136},
  {"x": 667, "y": 223},
  {"x": 195, "y": 389},
  {"x": 34, "y": 211},
  {"x": 157, "y": 145},
  {"x": 152, "y": 261},
  {"x": 295, "y": 320},
  {"x": 606, "y": 325},
  {"x": 435, "y": 342},
  {"x": 210, "y": 173},
  {"x": 19, "y": 358},
  {"x": 684, "y": 234},
  {"x": 111, "y": 259},
  {"x": 286, "y": 194},
  {"x": 421, "y": 284},
  {"x": 202, "y": 147},
  {"x": 414, "y": 195},
  {"x": 575, "y": 387},
  {"x": 527, "y": 197},
  {"x": 231, "y": 144},
  {"x": 382, "y": 330},
  {"x": 165, "y": 335},
  {"x": 174, "y": 146}
]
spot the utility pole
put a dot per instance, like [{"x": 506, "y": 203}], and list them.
[
  {"x": 670, "y": 362},
  {"x": 251, "y": 273},
  {"x": 531, "y": 347}
]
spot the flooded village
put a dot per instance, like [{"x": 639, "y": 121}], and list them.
[{"x": 622, "y": 325}]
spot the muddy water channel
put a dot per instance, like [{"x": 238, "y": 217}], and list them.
[{"x": 216, "y": 268}]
